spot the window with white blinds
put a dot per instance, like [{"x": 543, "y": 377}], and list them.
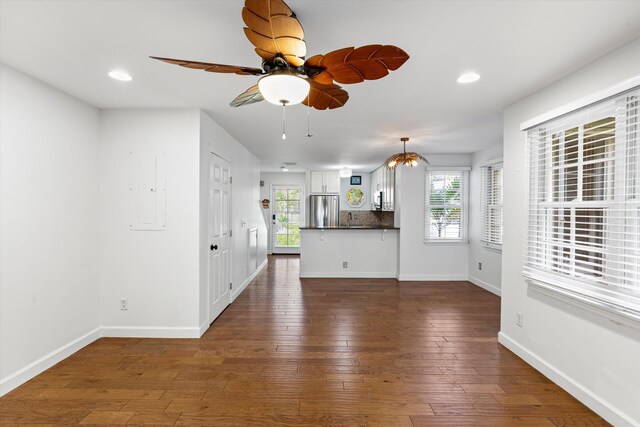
[
  {"x": 584, "y": 205},
  {"x": 491, "y": 205},
  {"x": 446, "y": 205}
]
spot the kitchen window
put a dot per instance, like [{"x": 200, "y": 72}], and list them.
[
  {"x": 446, "y": 205},
  {"x": 491, "y": 205},
  {"x": 584, "y": 205}
]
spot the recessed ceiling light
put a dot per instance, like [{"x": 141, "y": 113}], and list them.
[
  {"x": 284, "y": 169},
  {"x": 120, "y": 75},
  {"x": 468, "y": 78}
]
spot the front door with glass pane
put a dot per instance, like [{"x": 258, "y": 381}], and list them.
[{"x": 287, "y": 213}]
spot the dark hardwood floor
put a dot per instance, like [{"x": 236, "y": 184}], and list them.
[{"x": 324, "y": 352}]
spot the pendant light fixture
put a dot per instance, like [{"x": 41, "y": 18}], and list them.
[
  {"x": 345, "y": 172},
  {"x": 410, "y": 159}
]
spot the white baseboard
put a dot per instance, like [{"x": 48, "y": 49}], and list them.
[
  {"x": 347, "y": 275},
  {"x": 584, "y": 395},
  {"x": 149, "y": 332},
  {"x": 31, "y": 370},
  {"x": 431, "y": 277},
  {"x": 203, "y": 328},
  {"x": 237, "y": 292},
  {"x": 484, "y": 285}
]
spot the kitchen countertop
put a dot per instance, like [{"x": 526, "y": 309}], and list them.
[{"x": 353, "y": 227}]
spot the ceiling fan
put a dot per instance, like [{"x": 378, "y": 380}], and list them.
[{"x": 286, "y": 77}]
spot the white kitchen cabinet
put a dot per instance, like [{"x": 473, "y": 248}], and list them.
[
  {"x": 383, "y": 179},
  {"x": 323, "y": 182}
]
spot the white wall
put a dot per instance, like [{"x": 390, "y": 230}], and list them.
[
  {"x": 48, "y": 222},
  {"x": 157, "y": 271},
  {"x": 67, "y": 254},
  {"x": 345, "y": 185},
  {"x": 595, "y": 359},
  {"x": 490, "y": 276},
  {"x": 281, "y": 178},
  {"x": 417, "y": 260},
  {"x": 246, "y": 210}
]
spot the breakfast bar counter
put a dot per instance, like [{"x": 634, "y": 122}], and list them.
[{"x": 349, "y": 251}]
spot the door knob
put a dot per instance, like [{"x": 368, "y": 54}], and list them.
[{"x": 214, "y": 247}]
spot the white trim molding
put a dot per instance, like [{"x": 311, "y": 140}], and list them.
[
  {"x": 582, "y": 102},
  {"x": 348, "y": 275},
  {"x": 150, "y": 332},
  {"x": 237, "y": 292},
  {"x": 432, "y": 277},
  {"x": 485, "y": 285},
  {"x": 603, "y": 408},
  {"x": 23, "y": 375},
  {"x": 204, "y": 327}
]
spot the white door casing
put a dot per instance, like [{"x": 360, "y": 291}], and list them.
[{"x": 219, "y": 210}]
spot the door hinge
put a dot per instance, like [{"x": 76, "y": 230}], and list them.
[{"x": 230, "y": 285}]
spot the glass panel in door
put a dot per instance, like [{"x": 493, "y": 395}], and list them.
[{"x": 286, "y": 226}]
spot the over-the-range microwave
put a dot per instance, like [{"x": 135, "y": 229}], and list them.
[{"x": 378, "y": 200}]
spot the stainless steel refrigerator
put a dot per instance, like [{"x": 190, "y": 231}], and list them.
[{"x": 324, "y": 211}]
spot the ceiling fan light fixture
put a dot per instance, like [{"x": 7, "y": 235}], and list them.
[
  {"x": 345, "y": 172},
  {"x": 283, "y": 88}
]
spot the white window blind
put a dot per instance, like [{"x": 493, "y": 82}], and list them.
[
  {"x": 584, "y": 205},
  {"x": 446, "y": 210},
  {"x": 491, "y": 205}
]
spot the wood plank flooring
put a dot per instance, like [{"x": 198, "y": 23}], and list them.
[{"x": 359, "y": 352}]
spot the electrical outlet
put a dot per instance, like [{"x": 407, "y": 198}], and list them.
[
  {"x": 479, "y": 266},
  {"x": 124, "y": 304},
  {"x": 345, "y": 264},
  {"x": 519, "y": 319}
]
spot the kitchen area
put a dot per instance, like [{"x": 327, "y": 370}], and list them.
[{"x": 350, "y": 230}]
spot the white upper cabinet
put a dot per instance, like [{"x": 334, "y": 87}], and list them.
[
  {"x": 383, "y": 179},
  {"x": 332, "y": 182},
  {"x": 325, "y": 182},
  {"x": 317, "y": 182}
]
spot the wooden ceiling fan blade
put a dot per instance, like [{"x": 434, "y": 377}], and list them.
[
  {"x": 211, "y": 67},
  {"x": 249, "y": 96},
  {"x": 392, "y": 56},
  {"x": 278, "y": 25},
  {"x": 292, "y": 60},
  {"x": 322, "y": 78},
  {"x": 273, "y": 29},
  {"x": 322, "y": 97},
  {"x": 287, "y": 46},
  {"x": 354, "y": 65}
]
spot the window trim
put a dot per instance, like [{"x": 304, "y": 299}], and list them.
[
  {"x": 581, "y": 103},
  {"x": 620, "y": 307},
  {"x": 484, "y": 204},
  {"x": 464, "y": 204}
]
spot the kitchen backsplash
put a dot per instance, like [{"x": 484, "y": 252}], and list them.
[{"x": 366, "y": 218}]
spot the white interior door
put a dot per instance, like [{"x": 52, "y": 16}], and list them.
[
  {"x": 219, "y": 221},
  {"x": 286, "y": 217}
]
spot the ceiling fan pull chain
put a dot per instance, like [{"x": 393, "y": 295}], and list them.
[
  {"x": 308, "y": 121},
  {"x": 284, "y": 133}
]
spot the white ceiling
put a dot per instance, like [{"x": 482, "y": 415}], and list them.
[{"x": 517, "y": 46}]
